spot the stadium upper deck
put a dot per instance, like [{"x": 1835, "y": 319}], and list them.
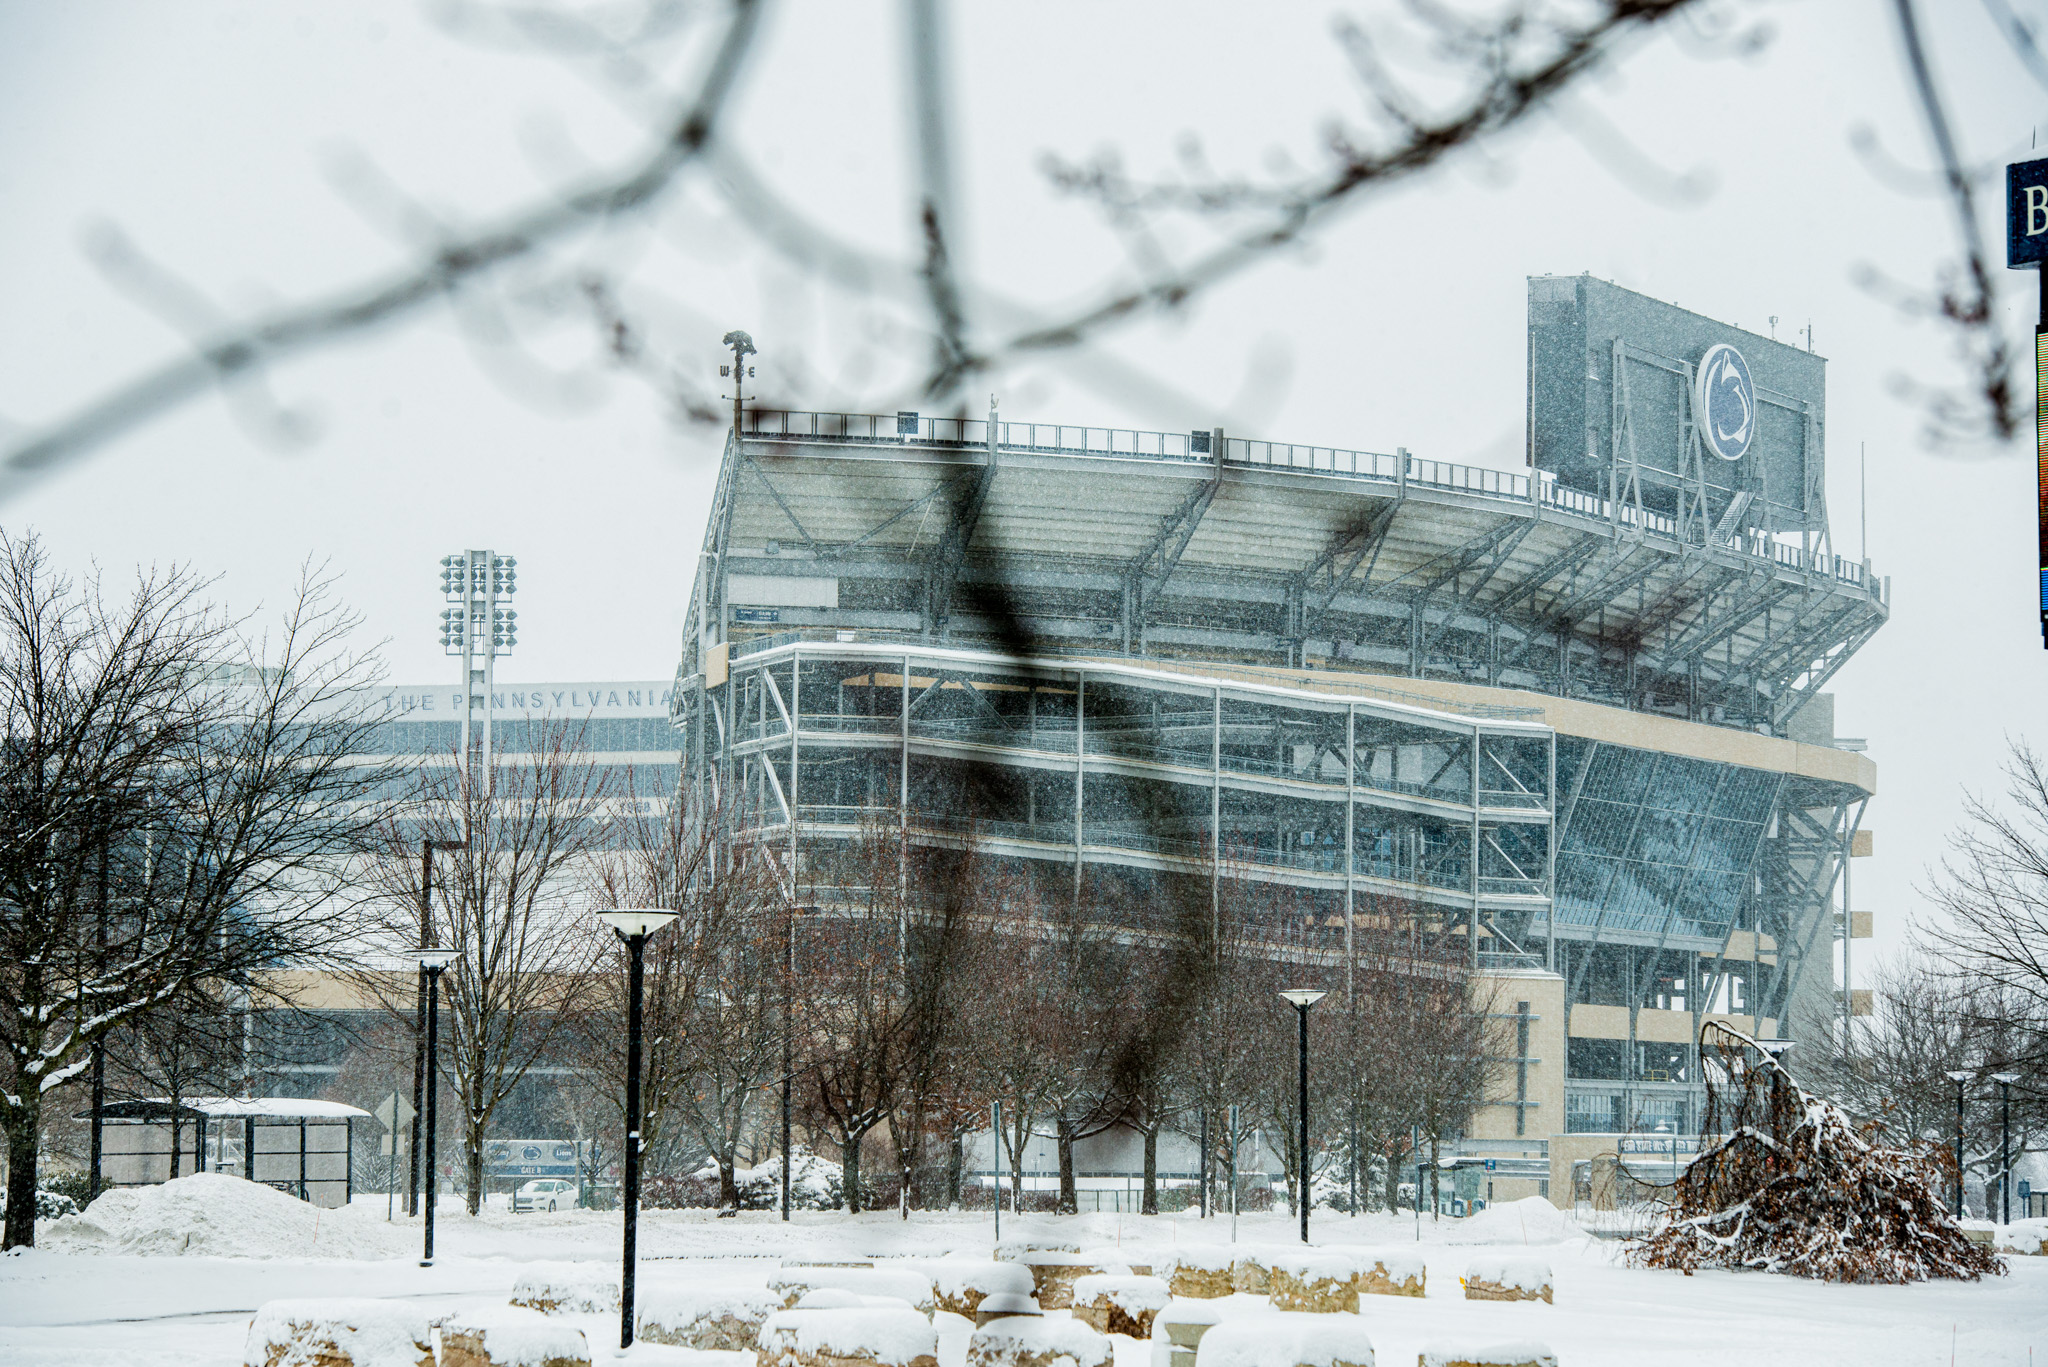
[{"x": 1095, "y": 540}]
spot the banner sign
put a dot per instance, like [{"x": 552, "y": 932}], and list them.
[
  {"x": 533, "y": 1157},
  {"x": 2026, "y": 247}
]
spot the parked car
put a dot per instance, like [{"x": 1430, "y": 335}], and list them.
[{"x": 545, "y": 1193}]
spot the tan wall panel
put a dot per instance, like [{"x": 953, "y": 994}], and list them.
[
  {"x": 1545, "y": 994},
  {"x": 1665, "y": 1027},
  {"x": 1599, "y": 1022}
]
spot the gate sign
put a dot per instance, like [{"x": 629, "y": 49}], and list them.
[
  {"x": 531, "y": 1157},
  {"x": 2026, "y": 214},
  {"x": 1724, "y": 402}
]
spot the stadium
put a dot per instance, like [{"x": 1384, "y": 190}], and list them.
[{"x": 1573, "y": 714}]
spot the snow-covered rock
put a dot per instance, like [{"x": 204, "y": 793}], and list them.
[
  {"x": 213, "y": 1215},
  {"x": 959, "y": 1284},
  {"x": 1313, "y": 1281},
  {"x": 1119, "y": 1304},
  {"x": 342, "y": 1332},
  {"x": 1486, "y": 1353},
  {"x": 1248, "y": 1274},
  {"x": 715, "y": 1318},
  {"x": 1177, "y": 1331},
  {"x": 1497, "y": 1278},
  {"x": 510, "y": 1336},
  {"x": 572, "y": 1289},
  {"x": 836, "y": 1338},
  {"x": 1389, "y": 1272},
  {"x": 1287, "y": 1339},
  {"x": 1019, "y": 1248},
  {"x": 1054, "y": 1272},
  {"x": 1033, "y": 1341},
  {"x": 1202, "y": 1271},
  {"x": 903, "y": 1283}
]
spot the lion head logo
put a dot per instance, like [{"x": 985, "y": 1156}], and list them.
[{"x": 1724, "y": 402}]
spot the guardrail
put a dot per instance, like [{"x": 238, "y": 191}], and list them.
[{"x": 1401, "y": 468}]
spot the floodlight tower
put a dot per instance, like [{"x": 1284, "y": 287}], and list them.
[{"x": 478, "y": 630}]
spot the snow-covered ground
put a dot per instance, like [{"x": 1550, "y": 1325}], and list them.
[{"x": 114, "y": 1287}]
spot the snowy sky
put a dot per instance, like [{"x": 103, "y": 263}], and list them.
[{"x": 229, "y": 141}]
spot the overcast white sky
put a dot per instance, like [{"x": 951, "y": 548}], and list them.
[{"x": 211, "y": 134}]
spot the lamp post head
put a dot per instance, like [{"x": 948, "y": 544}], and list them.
[
  {"x": 1960, "y": 1074},
  {"x": 2005, "y": 1079},
  {"x": 434, "y": 960},
  {"x": 636, "y": 923},
  {"x": 1303, "y": 998}
]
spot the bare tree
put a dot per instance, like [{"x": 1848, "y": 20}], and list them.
[
  {"x": 178, "y": 804},
  {"x": 508, "y": 909},
  {"x": 1991, "y": 936},
  {"x": 713, "y": 995}
]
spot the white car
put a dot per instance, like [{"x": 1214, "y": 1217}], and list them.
[{"x": 545, "y": 1193}]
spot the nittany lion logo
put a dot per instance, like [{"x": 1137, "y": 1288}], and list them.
[{"x": 1724, "y": 402}]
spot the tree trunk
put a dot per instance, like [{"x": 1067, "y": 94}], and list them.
[
  {"x": 729, "y": 1190},
  {"x": 1022, "y": 1134},
  {"x": 1149, "y": 1203},
  {"x": 956, "y": 1167},
  {"x": 849, "y": 1172},
  {"x": 24, "y": 1122},
  {"x": 1435, "y": 1188},
  {"x": 1070, "y": 1202},
  {"x": 473, "y": 1163}
]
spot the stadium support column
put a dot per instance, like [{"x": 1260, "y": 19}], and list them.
[
  {"x": 1080, "y": 763},
  {"x": 1216, "y": 820},
  {"x": 1350, "y": 891}
]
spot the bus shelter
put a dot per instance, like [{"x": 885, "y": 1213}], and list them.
[{"x": 299, "y": 1146}]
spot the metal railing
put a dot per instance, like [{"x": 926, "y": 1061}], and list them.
[{"x": 1139, "y": 444}]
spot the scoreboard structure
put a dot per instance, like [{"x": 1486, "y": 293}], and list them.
[{"x": 1665, "y": 411}]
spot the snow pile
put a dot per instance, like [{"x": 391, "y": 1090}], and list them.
[
  {"x": 714, "y": 1318},
  {"x": 1500, "y": 1278},
  {"x": 1312, "y": 1265},
  {"x": 915, "y": 1288},
  {"x": 510, "y": 1336},
  {"x": 893, "y": 1338},
  {"x": 213, "y": 1215},
  {"x": 1487, "y": 1353},
  {"x": 1287, "y": 1340},
  {"x": 2021, "y": 1236},
  {"x": 960, "y": 1284},
  {"x": 315, "y": 1333},
  {"x": 832, "y": 1298},
  {"x": 1531, "y": 1220},
  {"x": 1031, "y": 1341},
  {"x": 1133, "y": 1295},
  {"x": 569, "y": 1289}
]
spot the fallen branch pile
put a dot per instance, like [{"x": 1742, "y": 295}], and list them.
[{"x": 1786, "y": 1182}]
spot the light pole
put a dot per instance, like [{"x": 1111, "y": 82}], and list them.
[
  {"x": 432, "y": 962},
  {"x": 633, "y": 925},
  {"x": 1302, "y": 998},
  {"x": 480, "y": 625},
  {"x": 1959, "y": 1076},
  {"x": 2005, "y": 1082},
  {"x": 419, "y": 1029}
]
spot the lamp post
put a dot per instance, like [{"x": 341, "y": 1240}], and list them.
[
  {"x": 1959, "y": 1076},
  {"x": 2005, "y": 1082},
  {"x": 1301, "y": 999},
  {"x": 633, "y": 925},
  {"x": 419, "y": 1030},
  {"x": 432, "y": 962}
]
